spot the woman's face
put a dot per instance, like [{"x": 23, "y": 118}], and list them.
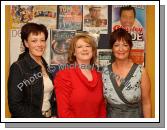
[
  {"x": 36, "y": 44},
  {"x": 121, "y": 50},
  {"x": 83, "y": 52}
]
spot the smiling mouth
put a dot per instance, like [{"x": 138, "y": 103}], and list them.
[
  {"x": 121, "y": 53},
  {"x": 39, "y": 49},
  {"x": 85, "y": 53}
]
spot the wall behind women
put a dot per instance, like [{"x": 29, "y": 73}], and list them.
[{"x": 150, "y": 52}]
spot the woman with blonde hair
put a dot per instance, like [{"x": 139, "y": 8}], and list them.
[{"x": 78, "y": 87}]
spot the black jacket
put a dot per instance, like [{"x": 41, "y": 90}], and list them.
[{"x": 26, "y": 89}]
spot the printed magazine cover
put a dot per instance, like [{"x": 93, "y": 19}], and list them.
[
  {"x": 46, "y": 14},
  {"x": 137, "y": 56},
  {"x": 59, "y": 45},
  {"x": 41, "y": 14},
  {"x": 104, "y": 57},
  {"x": 104, "y": 41},
  {"x": 70, "y": 17},
  {"x": 95, "y": 18},
  {"x": 21, "y": 14},
  {"x": 16, "y": 46},
  {"x": 134, "y": 23}
]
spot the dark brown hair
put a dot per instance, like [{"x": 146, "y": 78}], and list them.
[
  {"x": 120, "y": 34},
  {"x": 34, "y": 28}
]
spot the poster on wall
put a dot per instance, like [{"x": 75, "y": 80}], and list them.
[
  {"x": 41, "y": 14},
  {"x": 59, "y": 45},
  {"x": 104, "y": 57},
  {"x": 46, "y": 14},
  {"x": 95, "y": 18},
  {"x": 46, "y": 54},
  {"x": 104, "y": 41},
  {"x": 70, "y": 17},
  {"x": 21, "y": 14},
  {"x": 16, "y": 46},
  {"x": 137, "y": 56},
  {"x": 133, "y": 19}
]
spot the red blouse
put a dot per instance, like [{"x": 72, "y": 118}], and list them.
[{"x": 77, "y": 97}]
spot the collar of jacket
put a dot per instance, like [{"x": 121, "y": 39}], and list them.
[{"x": 32, "y": 63}]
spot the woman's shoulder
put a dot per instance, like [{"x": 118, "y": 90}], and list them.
[
  {"x": 139, "y": 66},
  {"x": 63, "y": 76},
  {"x": 19, "y": 62},
  {"x": 16, "y": 68},
  {"x": 106, "y": 67},
  {"x": 64, "y": 72},
  {"x": 16, "y": 64}
]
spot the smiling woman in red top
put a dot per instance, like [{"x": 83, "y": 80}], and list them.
[{"x": 78, "y": 88}]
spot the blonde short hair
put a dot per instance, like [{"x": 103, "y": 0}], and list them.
[{"x": 88, "y": 39}]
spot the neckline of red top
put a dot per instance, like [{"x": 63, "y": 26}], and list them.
[{"x": 83, "y": 78}]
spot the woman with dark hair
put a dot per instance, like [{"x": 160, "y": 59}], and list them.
[
  {"x": 79, "y": 90},
  {"x": 30, "y": 87},
  {"x": 126, "y": 84}
]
